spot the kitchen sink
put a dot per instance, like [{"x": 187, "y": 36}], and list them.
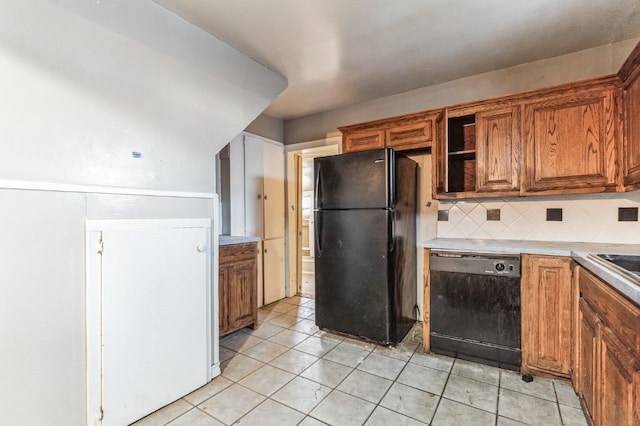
[{"x": 626, "y": 264}]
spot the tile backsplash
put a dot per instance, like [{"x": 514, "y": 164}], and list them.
[{"x": 585, "y": 218}]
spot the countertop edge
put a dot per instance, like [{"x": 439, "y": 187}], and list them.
[
  {"x": 225, "y": 240},
  {"x": 615, "y": 280}
]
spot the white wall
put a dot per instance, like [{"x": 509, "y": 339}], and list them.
[
  {"x": 590, "y": 63},
  {"x": 268, "y": 127},
  {"x": 84, "y": 84}
]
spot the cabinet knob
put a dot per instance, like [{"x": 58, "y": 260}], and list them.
[
  {"x": 265, "y": 197},
  {"x": 201, "y": 247},
  {"x": 265, "y": 250}
]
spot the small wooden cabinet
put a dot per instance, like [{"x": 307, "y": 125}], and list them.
[
  {"x": 498, "y": 150},
  {"x": 406, "y": 132},
  {"x": 237, "y": 287},
  {"x": 630, "y": 76},
  {"x": 570, "y": 140},
  {"x": 608, "y": 354},
  {"x": 480, "y": 156},
  {"x": 547, "y": 300}
]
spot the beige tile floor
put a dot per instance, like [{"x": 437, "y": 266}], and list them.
[{"x": 287, "y": 372}]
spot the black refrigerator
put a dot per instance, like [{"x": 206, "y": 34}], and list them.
[{"x": 365, "y": 244}]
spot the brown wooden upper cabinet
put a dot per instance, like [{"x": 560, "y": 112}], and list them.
[
  {"x": 630, "y": 76},
  {"x": 407, "y": 132},
  {"x": 570, "y": 140},
  {"x": 582, "y": 137},
  {"x": 480, "y": 154},
  {"x": 560, "y": 140}
]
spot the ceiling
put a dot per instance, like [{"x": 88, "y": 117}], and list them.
[{"x": 340, "y": 52}]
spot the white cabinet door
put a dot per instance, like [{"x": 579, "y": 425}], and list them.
[
  {"x": 153, "y": 287},
  {"x": 253, "y": 187},
  {"x": 273, "y": 157},
  {"x": 273, "y": 270},
  {"x": 265, "y": 212}
]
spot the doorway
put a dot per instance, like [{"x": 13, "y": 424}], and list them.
[{"x": 301, "y": 223}]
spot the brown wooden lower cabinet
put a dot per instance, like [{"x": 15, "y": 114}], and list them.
[
  {"x": 620, "y": 380},
  {"x": 609, "y": 354},
  {"x": 547, "y": 300},
  {"x": 237, "y": 287}
]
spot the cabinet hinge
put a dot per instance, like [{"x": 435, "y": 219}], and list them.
[
  {"x": 100, "y": 413},
  {"x": 100, "y": 247}
]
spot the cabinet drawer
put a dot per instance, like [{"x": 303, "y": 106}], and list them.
[
  {"x": 363, "y": 140},
  {"x": 234, "y": 252},
  {"x": 410, "y": 135}
]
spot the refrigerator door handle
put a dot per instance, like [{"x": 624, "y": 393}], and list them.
[
  {"x": 392, "y": 240},
  {"x": 391, "y": 173},
  {"x": 316, "y": 228},
  {"x": 316, "y": 193}
]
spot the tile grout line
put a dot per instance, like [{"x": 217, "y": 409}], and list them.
[
  {"x": 394, "y": 381},
  {"x": 281, "y": 387},
  {"x": 498, "y": 398},
  {"x": 555, "y": 392}
]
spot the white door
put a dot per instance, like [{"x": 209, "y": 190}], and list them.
[
  {"x": 253, "y": 186},
  {"x": 273, "y": 270},
  {"x": 154, "y": 295},
  {"x": 273, "y": 157},
  {"x": 265, "y": 212}
]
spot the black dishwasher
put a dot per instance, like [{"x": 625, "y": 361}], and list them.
[{"x": 475, "y": 307}]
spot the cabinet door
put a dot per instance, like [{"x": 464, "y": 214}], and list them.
[
  {"x": 620, "y": 381},
  {"x": 589, "y": 349},
  {"x": 242, "y": 294},
  {"x": 412, "y": 135},
  {"x": 630, "y": 72},
  {"x": 547, "y": 309},
  {"x": 273, "y": 270},
  {"x": 439, "y": 156},
  {"x": 273, "y": 184},
  {"x": 362, "y": 140},
  {"x": 253, "y": 187},
  {"x": 223, "y": 300},
  {"x": 498, "y": 150},
  {"x": 569, "y": 143}
]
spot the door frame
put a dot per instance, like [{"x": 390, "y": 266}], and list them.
[{"x": 295, "y": 153}]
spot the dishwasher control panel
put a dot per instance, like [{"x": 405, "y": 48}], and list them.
[{"x": 483, "y": 263}]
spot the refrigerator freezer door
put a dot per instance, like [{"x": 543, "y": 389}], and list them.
[
  {"x": 353, "y": 284},
  {"x": 358, "y": 180}
]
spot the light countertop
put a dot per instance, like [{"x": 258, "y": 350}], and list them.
[
  {"x": 224, "y": 240},
  {"x": 580, "y": 252}
]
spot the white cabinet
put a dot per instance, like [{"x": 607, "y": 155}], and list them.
[
  {"x": 273, "y": 270},
  {"x": 264, "y": 188},
  {"x": 148, "y": 315},
  {"x": 264, "y": 211}
]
